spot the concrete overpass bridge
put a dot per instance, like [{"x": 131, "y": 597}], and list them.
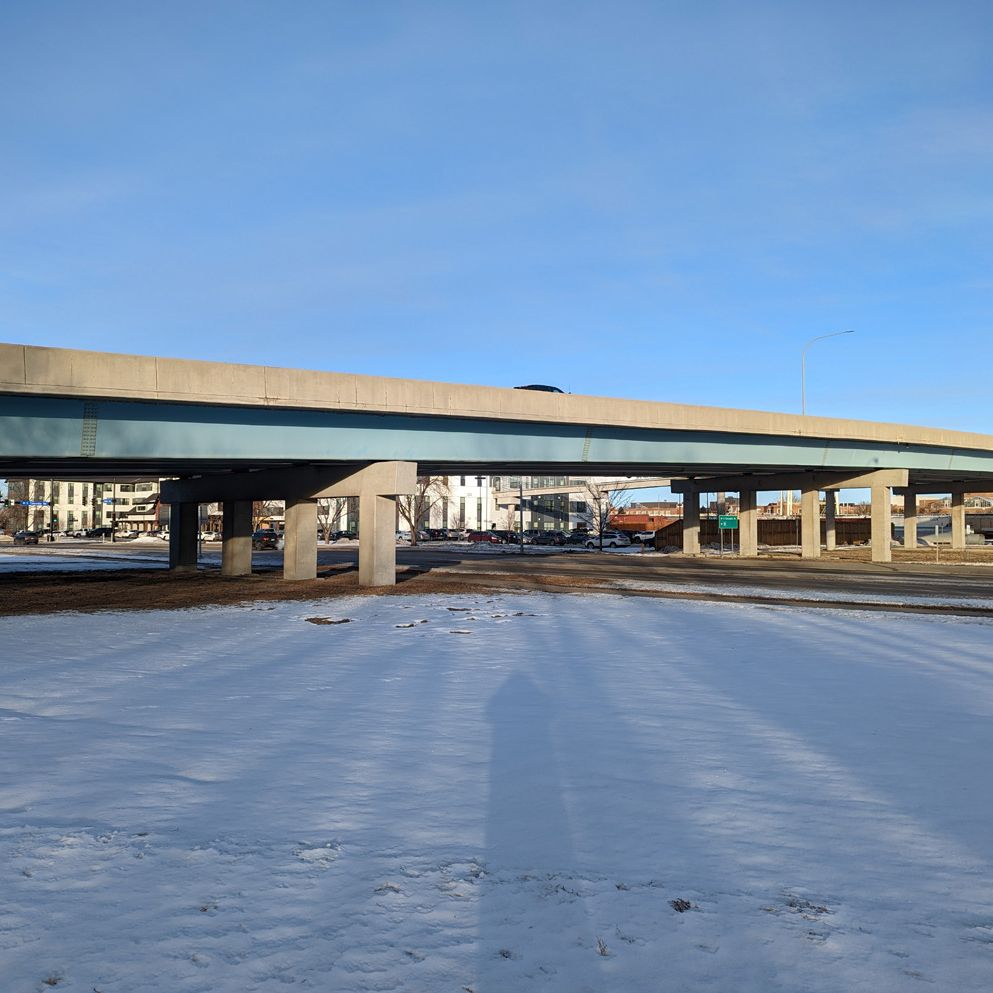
[{"x": 237, "y": 433}]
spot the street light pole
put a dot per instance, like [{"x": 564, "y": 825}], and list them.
[{"x": 803, "y": 366}]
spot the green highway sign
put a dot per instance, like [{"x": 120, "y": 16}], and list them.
[{"x": 727, "y": 522}]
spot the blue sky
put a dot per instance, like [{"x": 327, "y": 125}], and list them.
[{"x": 656, "y": 200}]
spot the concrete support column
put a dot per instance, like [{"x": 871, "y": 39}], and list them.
[
  {"x": 958, "y": 519},
  {"x": 236, "y": 532},
  {"x": 300, "y": 550},
  {"x": 748, "y": 524},
  {"x": 183, "y": 525},
  {"x": 691, "y": 523},
  {"x": 882, "y": 532},
  {"x": 810, "y": 523},
  {"x": 377, "y": 540},
  {"x": 830, "y": 522},
  {"x": 910, "y": 520}
]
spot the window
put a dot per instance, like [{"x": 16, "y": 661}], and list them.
[
  {"x": 461, "y": 512},
  {"x": 461, "y": 480}
]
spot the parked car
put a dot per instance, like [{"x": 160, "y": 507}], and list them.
[
  {"x": 507, "y": 537},
  {"x": 642, "y": 537},
  {"x": 342, "y": 535},
  {"x": 405, "y": 535},
  {"x": 610, "y": 539},
  {"x": 443, "y": 534},
  {"x": 485, "y": 537},
  {"x": 576, "y": 538},
  {"x": 209, "y": 536},
  {"x": 265, "y": 539},
  {"x": 549, "y": 538},
  {"x": 27, "y": 537}
]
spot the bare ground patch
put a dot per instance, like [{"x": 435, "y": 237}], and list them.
[{"x": 160, "y": 589}]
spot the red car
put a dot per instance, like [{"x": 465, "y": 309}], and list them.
[{"x": 487, "y": 537}]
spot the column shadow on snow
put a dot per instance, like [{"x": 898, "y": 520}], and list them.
[{"x": 526, "y": 900}]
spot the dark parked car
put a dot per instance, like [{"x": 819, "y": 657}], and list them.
[
  {"x": 549, "y": 538},
  {"x": 26, "y": 537},
  {"x": 265, "y": 539},
  {"x": 507, "y": 537},
  {"x": 485, "y": 537},
  {"x": 335, "y": 535}
]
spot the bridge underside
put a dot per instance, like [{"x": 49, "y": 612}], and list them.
[
  {"x": 134, "y": 470},
  {"x": 101, "y": 439},
  {"x": 236, "y": 454}
]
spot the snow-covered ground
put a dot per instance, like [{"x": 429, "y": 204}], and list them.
[
  {"x": 75, "y": 561},
  {"x": 506, "y": 794}
]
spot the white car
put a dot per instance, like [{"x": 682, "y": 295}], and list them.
[{"x": 611, "y": 539}]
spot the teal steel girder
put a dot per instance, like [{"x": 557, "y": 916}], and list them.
[{"x": 52, "y": 428}]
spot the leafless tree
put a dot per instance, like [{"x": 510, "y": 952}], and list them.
[
  {"x": 329, "y": 511},
  {"x": 602, "y": 506},
  {"x": 38, "y": 514},
  {"x": 415, "y": 507},
  {"x": 512, "y": 518},
  {"x": 262, "y": 510},
  {"x": 15, "y": 518}
]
